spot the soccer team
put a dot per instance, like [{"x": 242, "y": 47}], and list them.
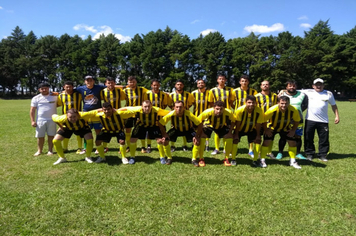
[{"x": 145, "y": 117}]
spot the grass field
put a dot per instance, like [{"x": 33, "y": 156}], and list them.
[{"x": 77, "y": 198}]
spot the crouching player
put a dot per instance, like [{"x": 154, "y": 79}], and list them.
[
  {"x": 249, "y": 119},
  {"x": 221, "y": 121},
  {"x": 181, "y": 121},
  {"x": 70, "y": 123}
]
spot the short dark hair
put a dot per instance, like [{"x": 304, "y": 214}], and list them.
[
  {"x": 219, "y": 104},
  {"x": 107, "y": 105},
  {"x": 68, "y": 82},
  {"x": 72, "y": 111},
  {"x": 131, "y": 78},
  {"x": 291, "y": 82},
  {"x": 179, "y": 81},
  {"x": 220, "y": 74},
  {"x": 245, "y": 77},
  {"x": 110, "y": 79},
  {"x": 43, "y": 84},
  {"x": 154, "y": 80},
  {"x": 201, "y": 80},
  {"x": 283, "y": 98},
  {"x": 250, "y": 97}
]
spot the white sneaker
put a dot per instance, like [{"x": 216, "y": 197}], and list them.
[
  {"x": 263, "y": 164},
  {"x": 96, "y": 152},
  {"x": 295, "y": 165},
  {"x": 49, "y": 153},
  {"x": 99, "y": 160},
  {"x": 83, "y": 151},
  {"x": 125, "y": 161},
  {"x": 215, "y": 152},
  {"x": 60, "y": 160},
  {"x": 89, "y": 160}
]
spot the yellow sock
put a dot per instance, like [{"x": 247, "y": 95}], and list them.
[
  {"x": 105, "y": 144},
  {"x": 185, "y": 141},
  {"x": 143, "y": 142},
  {"x": 216, "y": 141},
  {"x": 100, "y": 150},
  {"x": 149, "y": 142},
  {"x": 123, "y": 150},
  {"x": 167, "y": 150},
  {"x": 160, "y": 150},
  {"x": 89, "y": 149},
  {"x": 127, "y": 137},
  {"x": 292, "y": 151},
  {"x": 250, "y": 149},
  {"x": 234, "y": 151},
  {"x": 256, "y": 150},
  {"x": 133, "y": 147},
  {"x": 195, "y": 152},
  {"x": 201, "y": 148},
  {"x": 228, "y": 147},
  {"x": 264, "y": 151},
  {"x": 80, "y": 142},
  {"x": 65, "y": 143},
  {"x": 58, "y": 146}
]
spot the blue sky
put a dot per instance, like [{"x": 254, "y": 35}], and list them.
[{"x": 232, "y": 18}]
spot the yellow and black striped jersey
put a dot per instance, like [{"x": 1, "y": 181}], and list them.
[
  {"x": 134, "y": 97},
  {"x": 249, "y": 120},
  {"x": 186, "y": 97},
  {"x": 161, "y": 99},
  {"x": 265, "y": 102},
  {"x": 201, "y": 101},
  {"x": 239, "y": 96},
  {"x": 114, "y": 97},
  {"x": 210, "y": 120},
  {"x": 69, "y": 101},
  {"x": 150, "y": 119},
  {"x": 62, "y": 120},
  {"x": 183, "y": 123},
  {"x": 280, "y": 121},
  {"x": 225, "y": 95}
]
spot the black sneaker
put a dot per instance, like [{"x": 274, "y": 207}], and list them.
[
  {"x": 256, "y": 164},
  {"x": 169, "y": 162},
  {"x": 173, "y": 148},
  {"x": 195, "y": 163},
  {"x": 309, "y": 157},
  {"x": 185, "y": 148}
]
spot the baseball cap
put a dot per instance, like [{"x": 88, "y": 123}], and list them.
[
  {"x": 88, "y": 77},
  {"x": 318, "y": 80}
]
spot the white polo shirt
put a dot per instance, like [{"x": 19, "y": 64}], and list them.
[
  {"x": 318, "y": 105},
  {"x": 46, "y": 106}
]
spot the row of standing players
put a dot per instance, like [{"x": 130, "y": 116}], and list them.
[{"x": 248, "y": 118}]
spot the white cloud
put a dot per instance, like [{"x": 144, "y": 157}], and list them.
[
  {"x": 208, "y": 31},
  {"x": 305, "y": 25},
  {"x": 303, "y": 18},
  {"x": 264, "y": 28},
  {"x": 1, "y": 8},
  {"x": 82, "y": 36},
  {"x": 106, "y": 30},
  {"x": 194, "y": 21}
]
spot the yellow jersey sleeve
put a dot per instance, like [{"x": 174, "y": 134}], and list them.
[
  {"x": 59, "y": 119},
  {"x": 193, "y": 118},
  {"x": 164, "y": 120}
]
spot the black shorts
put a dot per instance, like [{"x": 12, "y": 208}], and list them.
[
  {"x": 251, "y": 136},
  {"x": 106, "y": 136},
  {"x": 130, "y": 122},
  {"x": 140, "y": 132},
  {"x": 282, "y": 134},
  {"x": 67, "y": 133},
  {"x": 174, "y": 134},
  {"x": 220, "y": 132}
]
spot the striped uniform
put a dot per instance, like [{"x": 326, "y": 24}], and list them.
[
  {"x": 249, "y": 120},
  {"x": 225, "y": 95},
  {"x": 134, "y": 97},
  {"x": 183, "y": 123},
  {"x": 280, "y": 121},
  {"x": 265, "y": 102},
  {"x": 148, "y": 120},
  {"x": 161, "y": 99},
  {"x": 239, "y": 96},
  {"x": 186, "y": 97},
  {"x": 81, "y": 123},
  {"x": 69, "y": 101},
  {"x": 210, "y": 120},
  {"x": 114, "y": 97},
  {"x": 201, "y": 101}
]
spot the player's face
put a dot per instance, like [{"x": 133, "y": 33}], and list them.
[
  {"x": 283, "y": 105},
  {"x": 179, "y": 86},
  {"x": 132, "y": 83},
  {"x": 221, "y": 81},
  {"x": 244, "y": 83},
  {"x": 72, "y": 118},
  {"x": 146, "y": 107},
  {"x": 107, "y": 111},
  {"x": 250, "y": 105},
  {"x": 291, "y": 88},
  {"x": 44, "y": 90},
  {"x": 265, "y": 86},
  {"x": 89, "y": 83},
  {"x": 110, "y": 85},
  {"x": 201, "y": 84},
  {"x": 179, "y": 108},
  {"x": 68, "y": 88},
  {"x": 218, "y": 111},
  {"x": 319, "y": 87},
  {"x": 155, "y": 86}
]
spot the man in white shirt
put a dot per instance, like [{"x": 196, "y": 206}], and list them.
[
  {"x": 317, "y": 119},
  {"x": 44, "y": 105}
]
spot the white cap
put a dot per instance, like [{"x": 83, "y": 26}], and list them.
[{"x": 318, "y": 80}]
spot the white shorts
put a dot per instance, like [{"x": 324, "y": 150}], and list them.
[{"x": 45, "y": 126}]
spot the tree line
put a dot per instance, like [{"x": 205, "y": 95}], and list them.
[{"x": 168, "y": 55}]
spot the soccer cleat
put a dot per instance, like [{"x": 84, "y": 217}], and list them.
[
  {"x": 169, "y": 161},
  {"x": 143, "y": 150},
  {"x": 263, "y": 164},
  {"x": 323, "y": 158},
  {"x": 65, "y": 151},
  {"x": 99, "y": 160},
  {"x": 233, "y": 162},
  {"x": 279, "y": 156},
  {"x": 163, "y": 160},
  {"x": 226, "y": 162},
  {"x": 201, "y": 162},
  {"x": 195, "y": 163},
  {"x": 132, "y": 161},
  {"x": 149, "y": 149},
  {"x": 49, "y": 153},
  {"x": 256, "y": 164},
  {"x": 295, "y": 165},
  {"x": 79, "y": 150},
  {"x": 300, "y": 156},
  {"x": 125, "y": 161},
  {"x": 215, "y": 152},
  {"x": 271, "y": 155},
  {"x": 89, "y": 160},
  {"x": 207, "y": 148},
  {"x": 96, "y": 152},
  {"x": 60, "y": 160},
  {"x": 128, "y": 149},
  {"x": 173, "y": 148},
  {"x": 37, "y": 154},
  {"x": 106, "y": 150},
  {"x": 83, "y": 151},
  {"x": 250, "y": 153},
  {"x": 309, "y": 157}
]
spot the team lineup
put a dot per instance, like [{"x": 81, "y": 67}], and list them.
[{"x": 228, "y": 113}]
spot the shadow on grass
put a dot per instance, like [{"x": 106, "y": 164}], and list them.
[
  {"x": 333, "y": 156},
  {"x": 300, "y": 162}
]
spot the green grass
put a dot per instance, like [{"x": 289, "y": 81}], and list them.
[{"x": 77, "y": 198}]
